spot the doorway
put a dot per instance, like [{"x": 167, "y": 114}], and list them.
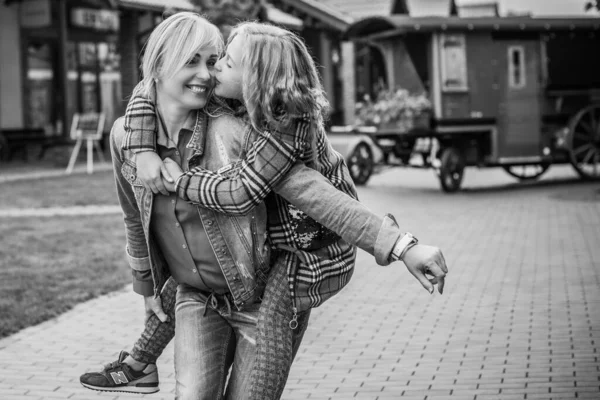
[
  {"x": 42, "y": 99},
  {"x": 519, "y": 113},
  {"x": 93, "y": 79}
]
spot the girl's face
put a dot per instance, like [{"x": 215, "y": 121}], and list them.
[
  {"x": 191, "y": 86},
  {"x": 228, "y": 71}
]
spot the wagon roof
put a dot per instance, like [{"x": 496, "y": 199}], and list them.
[{"x": 399, "y": 24}]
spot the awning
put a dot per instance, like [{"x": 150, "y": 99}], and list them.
[
  {"x": 274, "y": 14},
  {"x": 400, "y": 24},
  {"x": 158, "y": 5}
]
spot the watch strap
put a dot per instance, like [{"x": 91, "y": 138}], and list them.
[{"x": 407, "y": 241}]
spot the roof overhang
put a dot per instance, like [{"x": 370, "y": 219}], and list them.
[
  {"x": 279, "y": 17},
  {"x": 321, "y": 12},
  {"x": 109, "y": 3},
  {"x": 397, "y": 25},
  {"x": 157, "y": 5}
]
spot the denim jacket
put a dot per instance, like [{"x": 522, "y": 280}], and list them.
[{"x": 239, "y": 242}]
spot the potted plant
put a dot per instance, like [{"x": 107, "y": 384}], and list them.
[{"x": 394, "y": 109}]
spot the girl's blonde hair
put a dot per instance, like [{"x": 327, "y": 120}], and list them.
[
  {"x": 280, "y": 81},
  {"x": 171, "y": 45}
]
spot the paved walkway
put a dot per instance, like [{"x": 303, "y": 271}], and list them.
[{"x": 520, "y": 318}]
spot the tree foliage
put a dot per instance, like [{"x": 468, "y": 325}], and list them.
[{"x": 593, "y": 4}]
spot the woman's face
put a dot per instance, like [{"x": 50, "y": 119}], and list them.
[
  {"x": 191, "y": 86},
  {"x": 228, "y": 71}
]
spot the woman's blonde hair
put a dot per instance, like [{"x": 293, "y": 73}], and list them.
[
  {"x": 171, "y": 45},
  {"x": 280, "y": 81}
]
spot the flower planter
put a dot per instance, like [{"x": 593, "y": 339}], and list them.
[{"x": 395, "y": 110}]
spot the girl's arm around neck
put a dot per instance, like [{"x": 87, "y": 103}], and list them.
[{"x": 140, "y": 125}]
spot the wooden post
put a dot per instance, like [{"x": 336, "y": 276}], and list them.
[
  {"x": 348, "y": 82},
  {"x": 74, "y": 154},
  {"x": 62, "y": 64},
  {"x": 327, "y": 70}
]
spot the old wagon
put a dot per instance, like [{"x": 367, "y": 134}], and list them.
[{"x": 518, "y": 93}]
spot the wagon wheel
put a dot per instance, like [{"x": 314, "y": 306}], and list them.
[
  {"x": 526, "y": 172},
  {"x": 584, "y": 142},
  {"x": 360, "y": 164},
  {"x": 451, "y": 169}
]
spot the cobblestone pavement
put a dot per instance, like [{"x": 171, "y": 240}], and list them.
[{"x": 519, "y": 319}]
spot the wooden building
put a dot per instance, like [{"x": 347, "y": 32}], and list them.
[
  {"x": 506, "y": 91},
  {"x": 61, "y": 57}
]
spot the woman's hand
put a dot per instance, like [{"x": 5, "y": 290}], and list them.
[
  {"x": 174, "y": 170},
  {"x": 152, "y": 172}
]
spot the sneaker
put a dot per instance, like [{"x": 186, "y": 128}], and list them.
[{"x": 120, "y": 377}]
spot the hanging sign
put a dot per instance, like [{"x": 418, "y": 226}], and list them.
[
  {"x": 91, "y": 18},
  {"x": 35, "y": 13}
]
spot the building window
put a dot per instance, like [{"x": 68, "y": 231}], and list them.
[
  {"x": 41, "y": 84},
  {"x": 454, "y": 63},
  {"x": 516, "y": 67}
]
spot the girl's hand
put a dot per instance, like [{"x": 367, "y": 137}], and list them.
[
  {"x": 174, "y": 170},
  {"x": 427, "y": 264},
  {"x": 151, "y": 171}
]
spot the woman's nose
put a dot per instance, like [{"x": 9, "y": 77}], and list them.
[{"x": 203, "y": 72}]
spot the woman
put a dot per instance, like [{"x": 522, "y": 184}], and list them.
[{"x": 219, "y": 262}]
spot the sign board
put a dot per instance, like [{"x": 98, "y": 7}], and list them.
[
  {"x": 96, "y": 19},
  {"x": 87, "y": 126},
  {"x": 35, "y": 13}
]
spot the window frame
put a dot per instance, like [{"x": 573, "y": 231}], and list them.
[
  {"x": 461, "y": 69},
  {"x": 512, "y": 68}
]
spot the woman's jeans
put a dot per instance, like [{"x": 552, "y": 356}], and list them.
[{"x": 210, "y": 337}]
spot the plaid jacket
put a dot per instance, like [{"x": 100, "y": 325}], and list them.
[{"x": 326, "y": 261}]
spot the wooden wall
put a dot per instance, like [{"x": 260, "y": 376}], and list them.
[{"x": 481, "y": 98}]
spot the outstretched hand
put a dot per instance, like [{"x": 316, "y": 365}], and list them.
[
  {"x": 427, "y": 264},
  {"x": 151, "y": 170}
]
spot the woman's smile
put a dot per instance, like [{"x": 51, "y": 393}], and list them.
[{"x": 197, "y": 89}]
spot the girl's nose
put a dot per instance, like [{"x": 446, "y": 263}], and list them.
[{"x": 218, "y": 65}]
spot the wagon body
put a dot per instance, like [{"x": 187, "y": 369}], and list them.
[{"x": 521, "y": 93}]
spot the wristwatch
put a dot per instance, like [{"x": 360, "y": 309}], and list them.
[{"x": 406, "y": 242}]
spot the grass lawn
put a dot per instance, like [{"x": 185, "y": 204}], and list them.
[
  {"x": 49, "y": 264},
  {"x": 68, "y": 190}
]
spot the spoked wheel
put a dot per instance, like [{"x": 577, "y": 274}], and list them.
[
  {"x": 360, "y": 164},
  {"x": 584, "y": 142},
  {"x": 526, "y": 172},
  {"x": 451, "y": 169}
]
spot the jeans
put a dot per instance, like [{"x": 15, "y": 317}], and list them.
[{"x": 211, "y": 337}]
